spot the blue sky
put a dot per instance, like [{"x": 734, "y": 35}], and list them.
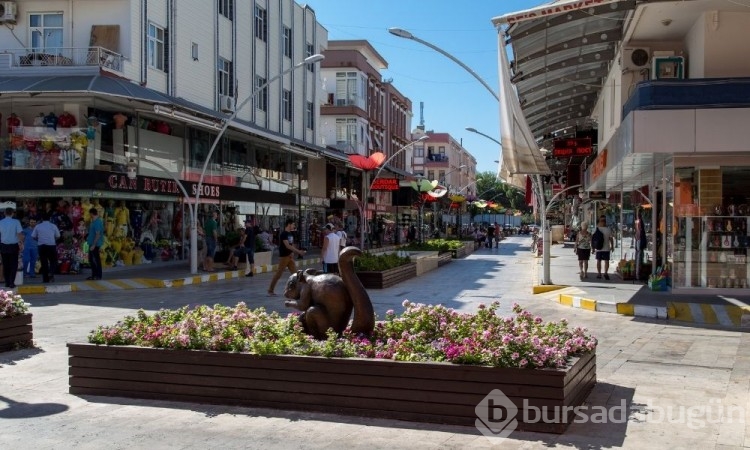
[{"x": 453, "y": 98}]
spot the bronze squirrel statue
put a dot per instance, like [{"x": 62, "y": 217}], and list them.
[{"x": 327, "y": 300}]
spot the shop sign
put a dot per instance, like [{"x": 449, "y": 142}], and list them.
[
  {"x": 385, "y": 184},
  {"x": 150, "y": 185},
  {"x": 566, "y": 148},
  {"x": 377, "y": 207},
  {"x": 599, "y": 165},
  {"x": 597, "y": 195},
  {"x": 316, "y": 201}
]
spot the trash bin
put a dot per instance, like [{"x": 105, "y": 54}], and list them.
[{"x": 557, "y": 233}]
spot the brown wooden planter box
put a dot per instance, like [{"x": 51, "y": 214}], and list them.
[
  {"x": 465, "y": 251},
  {"x": 444, "y": 258},
  {"x": 423, "y": 392},
  {"x": 387, "y": 278},
  {"x": 15, "y": 330}
]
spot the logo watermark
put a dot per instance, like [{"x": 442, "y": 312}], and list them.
[{"x": 498, "y": 416}]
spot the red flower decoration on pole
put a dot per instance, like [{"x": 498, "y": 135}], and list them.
[{"x": 367, "y": 163}]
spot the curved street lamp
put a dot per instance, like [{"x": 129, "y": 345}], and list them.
[{"x": 194, "y": 212}]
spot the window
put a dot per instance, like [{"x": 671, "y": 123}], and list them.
[
  {"x": 194, "y": 51},
  {"x": 347, "y": 88},
  {"x": 226, "y": 77},
  {"x": 346, "y": 132},
  {"x": 156, "y": 47},
  {"x": 226, "y": 8},
  {"x": 309, "y": 52},
  {"x": 261, "y": 98},
  {"x": 287, "y": 107},
  {"x": 419, "y": 151},
  {"x": 261, "y": 23},
  {"x": 430, "y": 175},
  {"x": 46, "y": 31},
  {"x": 310, "y": 115},
  {"x": 287, "y": 42}
]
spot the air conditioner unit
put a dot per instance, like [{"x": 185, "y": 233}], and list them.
[
  {"x": 636, "y": 58},
  {"x": 226, "y": 103},
  {"x": 8, "y": 12}
]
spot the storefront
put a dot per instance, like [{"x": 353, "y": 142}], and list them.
[{"x": 146, "y": 218}]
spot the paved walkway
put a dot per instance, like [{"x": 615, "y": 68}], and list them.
[
  {"x": 634, "y": 298},
  {"x": 679, "y": 386},
  {"x": 631, "y": 298}
]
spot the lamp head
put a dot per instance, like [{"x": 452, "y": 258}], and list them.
[
  {"x": 312, "y": 59},
  {"x": 472, "y": 129},
  {"x": 400, "y": 32},
  {"x": 422, "y": 138}
]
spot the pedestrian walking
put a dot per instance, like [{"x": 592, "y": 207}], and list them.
[
  {"x": 286, "y": 251},
  {"x": 30, "y": 249},
  {"x": 330, "y": 250},
  {"x": 583, "y": 249},
  {"x": 95, "y": 240},
  {"x": 603, "y": 254},
  {"x": 211, "y": 230},
  {"x": 249, "y": 248},
  {"x": 11, "y": 244},
  {"x": 46, "y": 235}
]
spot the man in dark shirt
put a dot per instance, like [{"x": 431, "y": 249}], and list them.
[
  {"x": 490, "y": 235},
  {"x": 249, "y": 248},
  {"x": 287, "y": 249}
]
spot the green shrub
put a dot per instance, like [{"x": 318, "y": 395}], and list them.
[
  {"x": 436, "y": 245},
  {"x": 371, "y": 262}
]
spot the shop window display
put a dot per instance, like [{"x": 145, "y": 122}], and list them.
[{"x": 712, "y": 224}]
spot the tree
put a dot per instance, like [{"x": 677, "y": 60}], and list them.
[{"x": 489, "y": 187}]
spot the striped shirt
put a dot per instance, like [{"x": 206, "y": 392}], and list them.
[{"x": 46, "y": 233}]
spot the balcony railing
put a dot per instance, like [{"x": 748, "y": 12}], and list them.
[{"x": 66, "y": 56}]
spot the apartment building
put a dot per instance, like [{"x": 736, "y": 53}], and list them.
[
  {"x": 665, "y": 87},
  {"x": 364, "y": 113},
  {"x": 119, "y": 102}
]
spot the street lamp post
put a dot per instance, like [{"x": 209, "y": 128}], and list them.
[
  {"x": 194, "y": 212},
  {"x": 132, "y": 170},
  {"x": 299, "y": 201},
  {"x": 536, "y": 179},
  {"x": 546, "y": 235},
  {"x": 368, "y": 184}
]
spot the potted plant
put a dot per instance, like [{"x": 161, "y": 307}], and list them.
[{"x": 15, "y": 322}]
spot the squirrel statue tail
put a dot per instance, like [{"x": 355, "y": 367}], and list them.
[{"x": 364, "y": 315}]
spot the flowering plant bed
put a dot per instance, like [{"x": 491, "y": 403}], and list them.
[
  {"x": 15, "y": 322},
  {"x": 429, "y": 364}
]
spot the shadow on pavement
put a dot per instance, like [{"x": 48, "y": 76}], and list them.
[{"x": 20, "y": 410}]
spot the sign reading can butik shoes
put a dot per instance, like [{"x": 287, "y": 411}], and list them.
[{"x": 15, "y": 182}]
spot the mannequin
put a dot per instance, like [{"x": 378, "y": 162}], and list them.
[
  {"x": 136, "y": 220},
  {"x": 13, "y": 122},
  {"x": 86, "y": 207},
  {"x": 99, "y": 207},
  {"x": 67, "y": 120},
  {"x": 76, "y": 213},
  {"x": 109, "y": 211},
  {"x": 165, "y": 216},
  {"x": 50, "y": 120},
  {"x": 39, "y": 120},
  {"x": 122, "y": 216},
  {"x": 120, "y": 120}
]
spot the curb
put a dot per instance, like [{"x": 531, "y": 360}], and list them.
[
  {"x": 150, "y": 283},
  {"x": 701, "y": 313}
]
